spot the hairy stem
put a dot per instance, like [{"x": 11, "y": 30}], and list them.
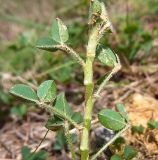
[
  {"x": 75, "y": 55},
  {"x": 89, "y": 86},
  {"x": 110, "y": 142},
  {"x": 68, "y": 50}
]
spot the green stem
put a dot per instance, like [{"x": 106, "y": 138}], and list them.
[
  {"x": 69, "y": 141},
  {"x": 89, "y": 87},
  {"x": 110, "y": 142},
  {"x": 87, "y": 122}
]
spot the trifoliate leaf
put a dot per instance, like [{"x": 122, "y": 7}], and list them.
[
  {"x": 47, "y": 91},
  {"x": 106, "y": 56},
  {"x": 111, "y": 119},
  {"x": 24, "y": 91},
  {"x": 59, "y": 31}
]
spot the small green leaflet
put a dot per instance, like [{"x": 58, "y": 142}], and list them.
[
  {"x": 119, "y": 142},
  {"x": 47, "y": 44},
  {"x": 54, "y": 123},
  {"x": 27, "y": 155},
  {"x": 122, "y": 111},
  {"x": 153, "y": 124},
  {"x": 106, "y": 56},
  {"x": 24, "y": 91},
  {"x": 25, "y": 151},
  {"x": 129, "y": 152},
  {"x": 62, "y": 106},
  {"x": 77, "y": 117},
  {"x": 47, "y": 91},
  {"x": 138, "y": 129},
  {"x": 60, "y": 141},
  {"x": 111, "y": 119},
  {"x": 59, "y": 31},
  {"x": 116, "y": 157}
]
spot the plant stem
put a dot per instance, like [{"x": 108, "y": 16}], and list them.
[
  {"x": 69, "y": 141},
  {"x": 110, "y": 142},
  {"x": 89, "y": 87}
]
